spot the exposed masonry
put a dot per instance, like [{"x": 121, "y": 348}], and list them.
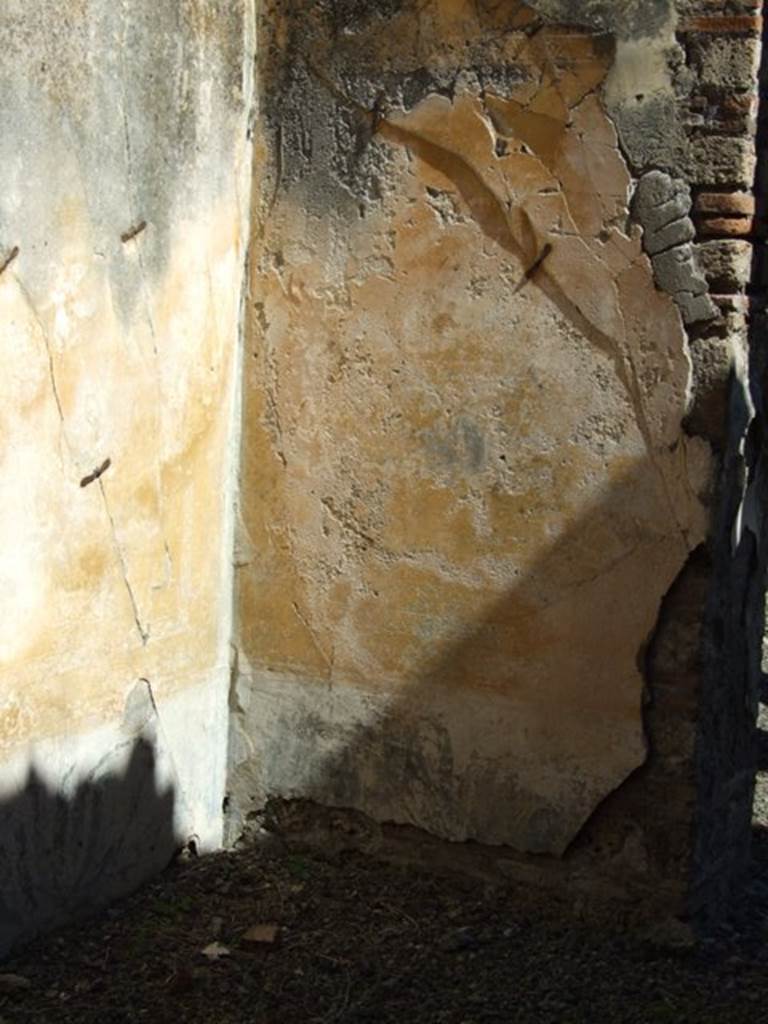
[
  {"x": 693, "y": 155},
  {"x": 699, "y": 223},
  {"x": 691, "y": 148},
  {"x": 661, "y": 205},
  {"x": 735, "y": 613},
  {"x": 721, "y": 48}
]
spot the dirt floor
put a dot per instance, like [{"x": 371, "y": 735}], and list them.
[
  {"x": 272, "y": 936},
  {"x": 269, "y": 935}
]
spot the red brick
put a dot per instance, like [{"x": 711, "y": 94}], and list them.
[
  {"x": 738, "y": 6},
  {"x": 740, "y": 102},
  {"x": 728, "y": 24},
  {"x": 725, "y": 204},
  {"x": 725, "y": 227}
]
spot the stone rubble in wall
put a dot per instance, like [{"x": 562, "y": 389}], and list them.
[
  {"x": 722, "y": 47},
  {"x": 661, "y": 206},
  {"x": 703, "y": 245},
  {"x": 718, "y": 111}
]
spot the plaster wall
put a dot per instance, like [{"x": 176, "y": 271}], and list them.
[
  {"x": 466, "y": 487},
  {"x": 123, "y": 229},
  {"x": 495, "y": 562}
]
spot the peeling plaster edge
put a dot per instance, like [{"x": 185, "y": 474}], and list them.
[{"x": 747, "y": 514}]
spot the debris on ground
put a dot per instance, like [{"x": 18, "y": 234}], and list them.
[{"x": 275, "y": 936}]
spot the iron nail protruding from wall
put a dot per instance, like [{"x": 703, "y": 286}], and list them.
[
  {"x": 96, "y": 473},
  {"x": 127, "y": 236},
  {"x": 9, "y": 259},
  {"x": 538, "y": 261}
]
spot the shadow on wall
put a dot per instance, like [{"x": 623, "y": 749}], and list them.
[
  {"x": 62, "y": 857},
  {"x": 529, "y": 727},
  {"x": 485, "y": 703}
]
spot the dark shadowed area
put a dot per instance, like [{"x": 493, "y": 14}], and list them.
[
  {"x": 63, "y": 857},
  {"x": 278, "y": 935}
]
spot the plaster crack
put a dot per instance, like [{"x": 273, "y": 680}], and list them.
[
  {"x": 49, "y": 354},
  {"x": 493, "y": 216},
  {"x": 328, "y": 659},
  {"x": 96, "y": 475},
  {"x": 496, "y": 225},
  {"x": 606, "y": 570},
  {"x": 273, "y": 408},
  {"x": 143, "y": 631},
  {"x": 643, "y": 423},
  {"x": 52, "y": 376},
  {"x": 168, "y": 567},
  {"x": 346, "y": 522}
]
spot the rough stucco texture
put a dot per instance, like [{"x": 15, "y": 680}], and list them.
[
  {"x": 465, "y": 488},
  {"x": 123, "y": 145}
]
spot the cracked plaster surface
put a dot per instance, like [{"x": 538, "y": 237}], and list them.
[
  {"x": 125, "y": 205},
  {"x": 465, "y": 486}
]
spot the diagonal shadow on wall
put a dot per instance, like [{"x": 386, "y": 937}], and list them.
[
  {"x": 519, "y": 718},
  {"x": 532, "y": 725}
]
